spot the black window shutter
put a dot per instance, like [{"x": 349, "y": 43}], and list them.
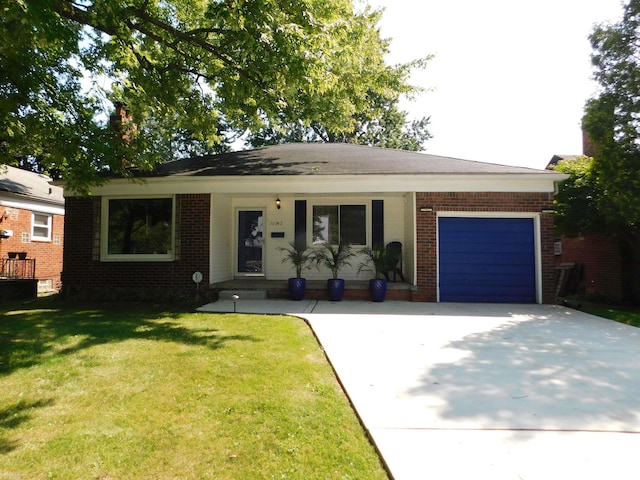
[
  {"x": 377, "y": 222},
  {"x": 300, "y": 221}
]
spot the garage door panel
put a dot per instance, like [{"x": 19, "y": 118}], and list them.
[
  {"x": 492, "y": 275},
  {"x": 487, "y": 296},
  {"x": 505, "y": 240},
  {"x": 462, "y": 277},
  {"x": 487, "y": 259},
  {"x": 480, "y": 248},
  {"x": 467, "y": 260}
]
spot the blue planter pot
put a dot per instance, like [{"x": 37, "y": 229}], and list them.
[
  {"x": 297, "y": 287},
  {"x": 336, "y": 289},
  {"x": 378, "y": 289}
]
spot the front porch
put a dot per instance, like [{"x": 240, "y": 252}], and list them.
[
  {"x": 17, "y": 278},
  {"x": 316, "y": 289}
]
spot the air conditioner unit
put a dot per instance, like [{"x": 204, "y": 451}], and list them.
[{"x": 6, "y": 233}]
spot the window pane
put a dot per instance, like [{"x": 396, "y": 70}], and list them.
[
  {"x": 353, "y": 224},
  {"x": 325, "y": 224},
  {"x": 41, "y": 220},
  {"x": 41, "y": 228},
  {"x": 41, "y": 232},
  {"x": 140, "y": 226},
  {"x": 250, "y": 241}
]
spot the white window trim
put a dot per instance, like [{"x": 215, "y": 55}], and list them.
[
  {"x": 38, "y": 238},
  {"x": 105, "y": 256}
]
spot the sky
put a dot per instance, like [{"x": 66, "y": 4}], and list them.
[{"x": 509, "y": 78}]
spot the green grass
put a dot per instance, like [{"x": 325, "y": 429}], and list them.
[
  {"x": 630, "y": 316},
  {"x": 136, "y": 393}
]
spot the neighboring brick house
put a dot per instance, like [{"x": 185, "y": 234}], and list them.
[
  {"x": 604, "y": 268},
  {"x": 470, "y": 231},
  {"x": 601, "y": 266},
  {"x": 32, "y": 223}
]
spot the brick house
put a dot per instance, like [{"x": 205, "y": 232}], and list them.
[
  {"x": 32, "y": 223},
  {"x": 604, "y": 266},
  {"x": 601, "y": 266},
  {"x": 470, "y": 231}
]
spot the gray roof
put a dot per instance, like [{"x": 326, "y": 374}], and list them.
[
  {"x": 327, "y": 159},
  {"x": 32, "y": 186}
]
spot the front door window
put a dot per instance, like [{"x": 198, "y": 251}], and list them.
[{"x": 250, "y": 241}]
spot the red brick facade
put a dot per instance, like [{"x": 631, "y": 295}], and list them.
[
  {"x": 83, "y": 270},
  {"x": 607, "y": 270},
  {"x": 426, "y": 229},
  {"x": 47, "y": 254},
  {"x": 85, "y": 274}
]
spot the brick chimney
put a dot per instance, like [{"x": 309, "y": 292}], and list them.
[{"x": 122, "y": 121}]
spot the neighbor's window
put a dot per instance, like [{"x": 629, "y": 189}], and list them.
[
  {"x": 336, "y": 224},
  {"x": 41, "y": 227},
  {"x": 139, "y": 228}
]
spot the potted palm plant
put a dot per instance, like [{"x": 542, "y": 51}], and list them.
[
  {"x": 334, "y": 257},
  {"x": 376, "y": 261},
  {"x": 298, "y": 254}
]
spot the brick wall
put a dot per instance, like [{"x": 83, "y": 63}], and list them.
[
  {"x": 85, "y": 275},
  {"x": 426, "y": 248},
  {"x": 601, "y": 257},
  {"x": 48, "y": 254}
]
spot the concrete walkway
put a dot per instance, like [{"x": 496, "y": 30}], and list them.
[{"x": 452, "y": 391}]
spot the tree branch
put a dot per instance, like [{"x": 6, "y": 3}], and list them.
[{"x": 175, "y": 37}]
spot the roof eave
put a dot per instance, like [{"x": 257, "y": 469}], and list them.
[{"x": 301, "y": 184}]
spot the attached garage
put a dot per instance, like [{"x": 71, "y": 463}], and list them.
[{"x": 487, "y": 259}]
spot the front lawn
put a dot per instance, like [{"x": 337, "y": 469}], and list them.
[{"x": 136, "y": 393}]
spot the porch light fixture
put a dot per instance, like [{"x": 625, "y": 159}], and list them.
[
  {"x": 426, "y": 209},
  {"x": 278, "y": 203}
]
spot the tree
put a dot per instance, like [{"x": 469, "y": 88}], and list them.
[
  {"x": 612, "y": 118},
  {"x": 193, "y": 73},
  {"x": 382, "y": 125},
  {"x": 581, "y": 205}
]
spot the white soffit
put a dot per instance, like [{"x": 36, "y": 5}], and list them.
[{"x": 302, "y": 184}]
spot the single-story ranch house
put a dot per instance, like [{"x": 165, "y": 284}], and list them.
[{"x": 470, "y": 231}]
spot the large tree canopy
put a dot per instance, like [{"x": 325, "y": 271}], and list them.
[
  {"x": 382, "y": 125},
  {"x": 582, "y": 206},
  {"x": 191, "y": 72},
  {"x": 612, "y": 118},
  {"x": 602, "y": 194}
]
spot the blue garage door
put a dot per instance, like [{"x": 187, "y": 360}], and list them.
[{"x": 487, "y": 260}]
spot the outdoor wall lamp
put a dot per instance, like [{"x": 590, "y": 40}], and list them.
[{"x": 278, "y": 203}]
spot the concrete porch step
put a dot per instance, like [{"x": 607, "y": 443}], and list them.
[{"x": 243, "y": 294}]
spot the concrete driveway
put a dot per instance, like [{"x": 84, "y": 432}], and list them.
[{"x": 452, "y": 391}]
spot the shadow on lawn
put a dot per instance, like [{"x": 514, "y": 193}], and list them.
[
  {"x": 29, "y": 334},
  {"x": 13, "y": 416}
]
